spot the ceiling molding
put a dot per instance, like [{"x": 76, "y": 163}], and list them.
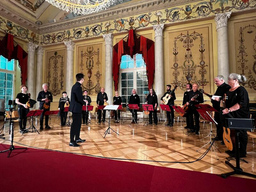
[{"x": 111, "y": 14}]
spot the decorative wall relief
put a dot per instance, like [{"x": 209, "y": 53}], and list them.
[
  {"x": 55, "y": 71},
  {"x": 90, "y": 65},
  {"x": 190, "y": 60},
  {"x": 246, "y": 54}
]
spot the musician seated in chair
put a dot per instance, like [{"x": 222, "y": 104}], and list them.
[
  {"x": 45, "y": 99},
  {"x": 87, "y": 101},
  {"x": 23, "y": 107},
  {"x": 194, "y": 98},
  {"x": 169, "y": 98},
  {"x": 117, "y": 100},
  {"x": 134, "y": 99},
  {"x": 152, "y": 100},
  {"x": 237, "y": 106},
  {"x": 63, "y": 103}
]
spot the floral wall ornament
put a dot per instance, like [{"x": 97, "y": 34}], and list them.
[{"x": 55, "y": 73}]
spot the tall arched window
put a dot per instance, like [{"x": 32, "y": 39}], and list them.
[
  {"x": 133, "y": 76},
  {"x": 7, "y": 71}
]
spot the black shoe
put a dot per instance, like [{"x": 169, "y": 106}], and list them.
[
  {"x": 170, "y": 125},
  {"x": 133, "y": 122},
  {"x": 150, "y": 123},
  {"x": 41, "y": 128},
  {"x": 103, "y": 120},
  {"x": 47, "y": 127},
  {"x": 191, "y": 130},
  {"x": 73, "y": 144},
  {"x": 197, "y": 133},
  {"x": 80, "y": 140},
  {"x": 186, "y": 127}
]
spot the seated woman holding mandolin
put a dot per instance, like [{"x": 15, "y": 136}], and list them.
[
  {"x": 236, "y": 106},
  {"x": 152, "y": 100}
]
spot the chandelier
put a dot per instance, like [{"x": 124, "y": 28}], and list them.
[{"x": 83, "y": 7}]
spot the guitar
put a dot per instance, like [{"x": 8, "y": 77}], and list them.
[
  {"x": 46, "y": 101},
  {"x": 28, "y": 102},
  {"x": 226, "y": 131},
  {"x": 66, "y": 103},
  {"x": 167, "y": 97},
  {"x": 186, "y": 106},
  {"x": 207, "y": 94}
]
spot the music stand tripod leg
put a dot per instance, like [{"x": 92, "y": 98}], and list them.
[{"x": 109, "y": 128}]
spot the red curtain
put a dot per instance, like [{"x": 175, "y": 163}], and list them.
[
  {"x": 134, "y": 45},
  {"x": 9, "y": 51}
]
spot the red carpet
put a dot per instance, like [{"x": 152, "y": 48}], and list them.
[{"x": 43, "y": 170}]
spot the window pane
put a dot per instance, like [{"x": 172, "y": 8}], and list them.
[
  {"x": 130, "y": 83},
  {"x": 126, "y": 62},
  {"x": 2, "y": 84},
  {"x": 124, "y": 83},
  {"x": 2, "y": 76},
  {"x": 130, "y": 75},
  {"x": 9, "y": 84},
  {"x": 9, "y": 77},
  {"x": 10, "y": 65}
]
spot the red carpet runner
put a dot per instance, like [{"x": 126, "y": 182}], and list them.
[{"x": 43, "y": 170}]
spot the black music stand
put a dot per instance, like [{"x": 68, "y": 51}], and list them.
[
  {"x": 110, "y": 108},
  {"x": 133, "y": 107},
  {"x": 33, "y": 114},
  {"x": 87, "y": 108},
  {"x": 11, "y": 127},
  {"x": 147, "y": 107},
  {"x": 55, "y": 112},
  {"x": 165, "y": 108},
  {"x": 237, "y": 124}
]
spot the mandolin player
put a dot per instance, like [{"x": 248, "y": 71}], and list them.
[
  {"x": 152, "y": 100},
  {"x": 23, "y": 108},
  {"x": 45, "y": 98},
  {"x": 170, "y": 95}
]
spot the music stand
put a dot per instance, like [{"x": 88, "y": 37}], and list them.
[
  {"x": 147, "y": 107},
  {"x": 179, "y": 110},
  {"x": 233, "y": 125},
  {"x": 33, "y": 114},
  {"x": 55, "y": 112},
  {"x": 165, "y": 108},
  {"x": 110, "y": 108},
  {"x": 11, "y": 130},
  {"x": 133, "y": 107}
]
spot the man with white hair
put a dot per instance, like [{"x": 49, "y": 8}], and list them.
[
  {"x": 221, "y": 90},
  {"x": 45, "y": 99}
]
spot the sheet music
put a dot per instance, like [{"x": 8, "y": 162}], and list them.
[{"x": 111, "y": 107}]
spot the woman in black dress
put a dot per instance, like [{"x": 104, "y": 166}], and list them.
[{"x": 237, "y": 106}]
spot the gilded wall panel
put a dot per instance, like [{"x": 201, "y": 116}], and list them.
[
  {"x": 245, "y": 52},
  {"x": 189, "y": 58},
  {"x": 90, "y": 64},
  {"x": 55, "y": 71}
]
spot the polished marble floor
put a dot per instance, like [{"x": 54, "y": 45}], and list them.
[{"x": 141, "y": 143}]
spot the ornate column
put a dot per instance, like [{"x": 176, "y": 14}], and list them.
[
  {"x": 222, "y": 31},
  {"x": 31, "y": 70},
  {"x": 159, "y": 58},
  {"x": 39, "y": 69},
  {"x": 108, "y": 68},
  {"x": 70, "y": 66}
]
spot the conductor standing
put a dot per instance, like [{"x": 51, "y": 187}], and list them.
[{"x": 76, "y": 105}]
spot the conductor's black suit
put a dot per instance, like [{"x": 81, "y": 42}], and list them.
[{"x": 75, "y": 107}]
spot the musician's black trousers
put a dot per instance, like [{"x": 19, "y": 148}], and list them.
[
  {"x": 85, "y": 117},
  {"x": 134, "y": 115},
  {"x": 63, "y": 117},
  {"x": 117, "y": 114},
  {"x": 193, "y": 114},
  {"x": 99, "y": 115},
  {"x": 23, "y": 117},
  {"x": 170, "y": 116},
  {"x": 75, "y": 127},
  {"x": 42, "y": 119},
  {"x": 154, "y": 115}
]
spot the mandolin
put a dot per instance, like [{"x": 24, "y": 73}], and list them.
[
  {"x": 28, "y": 102},
  {"x": 45, "y": 105},
  {"x": 167, "y": 97}
]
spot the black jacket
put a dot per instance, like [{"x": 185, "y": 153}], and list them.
[
  {"x": 76, "y": 102},
  {"x": 221, "y": 90},
  {"x": 134, "y": 99},
  {"x": 43, "y": 95},
  {"x": 101, "y": 97}
]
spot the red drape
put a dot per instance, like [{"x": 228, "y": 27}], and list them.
[
  {"x": 133, "y": 46},
  {"x": 9, "y": 51}
]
